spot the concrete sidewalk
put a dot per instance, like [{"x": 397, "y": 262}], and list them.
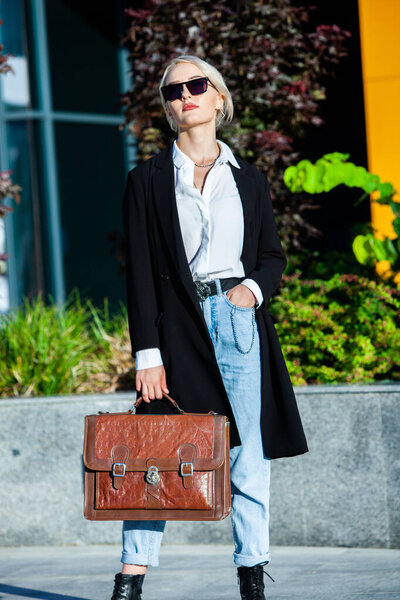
[{"x": 197, "y": 572}]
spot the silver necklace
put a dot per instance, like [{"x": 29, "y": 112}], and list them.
[{"x": 211, "y": 163}]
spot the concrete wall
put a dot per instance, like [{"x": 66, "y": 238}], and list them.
[{"x": 344, "y": 492}]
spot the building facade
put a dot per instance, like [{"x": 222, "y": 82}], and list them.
[{"x": 59, "y": 134}]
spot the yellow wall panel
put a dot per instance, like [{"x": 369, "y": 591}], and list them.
[
  {"x": 380, "y": 32},
  {"x": 380, "y": 51}
]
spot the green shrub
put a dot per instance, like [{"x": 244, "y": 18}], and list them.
[
  {"x": 343, "y": 330},
  {"x": 47, "y": 350}
]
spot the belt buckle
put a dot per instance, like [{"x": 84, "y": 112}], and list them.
[{"x": 203, "y": 290}]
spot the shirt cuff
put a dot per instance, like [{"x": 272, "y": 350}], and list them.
[
  {"x": 255, "y": 288},
  {"x": 145, "y": 359}
]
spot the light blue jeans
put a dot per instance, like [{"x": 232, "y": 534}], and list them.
[{"x": 234, "y": 332}]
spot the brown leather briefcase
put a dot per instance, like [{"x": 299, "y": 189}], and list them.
[{"x": 169, "y": 467}]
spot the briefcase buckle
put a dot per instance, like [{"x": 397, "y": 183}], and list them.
[
  {"x": 118, "y": 465},
  {"x": 186, "y": 464}
]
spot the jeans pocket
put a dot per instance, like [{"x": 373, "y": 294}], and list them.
[{"x": 235, "y": 305}]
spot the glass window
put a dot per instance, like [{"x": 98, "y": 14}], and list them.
[
  {"x": 26, "y": 218},
  {"x": 17, "y": 88},
  {"x": 89, "y": 162},
  {"x": 83, "y": 42},
  {"x": 91, "y": 176}
]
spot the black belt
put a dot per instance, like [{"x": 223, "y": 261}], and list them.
[{"x": 209, "y": 288}]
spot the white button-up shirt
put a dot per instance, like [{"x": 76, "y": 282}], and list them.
[{"x": 212, "y": 227}]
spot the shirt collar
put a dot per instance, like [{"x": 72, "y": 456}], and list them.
[{"x": 180, "y": 158}]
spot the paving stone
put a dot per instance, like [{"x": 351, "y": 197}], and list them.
[{"x": 200, "y": 572}]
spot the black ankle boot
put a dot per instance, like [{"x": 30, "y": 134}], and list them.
[
  {"x": 251, "y": 581},
  {"x": 127, "y": 587}
]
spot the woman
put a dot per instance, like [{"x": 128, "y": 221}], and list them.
[{"x": 203, "y": 259}]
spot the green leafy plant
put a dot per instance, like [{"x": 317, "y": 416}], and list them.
[
  {"x": 332, "y": 170},
  {"x": 369, "y": 249},
  {"x": 343, "y": 330},
  {"x": 45, "y": 350}
]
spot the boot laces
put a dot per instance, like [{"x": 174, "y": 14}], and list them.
[
  {"x": 121, "y": 588},
  {"x": 118, "y": 591},
  {"x": 253, "y": 584}
]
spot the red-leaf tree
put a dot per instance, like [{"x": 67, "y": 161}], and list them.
[{"x": 274, "y": 67}]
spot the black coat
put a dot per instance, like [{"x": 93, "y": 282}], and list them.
[{"x": 164, "y": 310}]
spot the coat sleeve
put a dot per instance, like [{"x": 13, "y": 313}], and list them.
[
  {"x": 140, "y": 288},
  {"x": 271, "y": 260}
]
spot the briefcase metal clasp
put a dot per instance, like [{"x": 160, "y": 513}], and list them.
[{"x": 152, "y": 475}]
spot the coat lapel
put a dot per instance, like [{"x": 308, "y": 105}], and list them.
[{"x": 163, "y": 190}]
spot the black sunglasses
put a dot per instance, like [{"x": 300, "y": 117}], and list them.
[{"x": 174, "y": 91}]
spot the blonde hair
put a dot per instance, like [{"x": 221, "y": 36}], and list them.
[{"x": 223, "y": 114}]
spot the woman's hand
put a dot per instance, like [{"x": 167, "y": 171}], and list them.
[
  {"x": 151, "y": 382},
  {"x": 241, "y": 295}
]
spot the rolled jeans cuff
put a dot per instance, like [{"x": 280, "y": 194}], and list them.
[
  {"x": 139, "y": 559},
  {"x": 249, "y": 561}
]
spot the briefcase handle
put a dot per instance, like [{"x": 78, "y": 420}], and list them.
[
  {"x": 183, "y": 412},
  {"x": 139, "y": 400}
]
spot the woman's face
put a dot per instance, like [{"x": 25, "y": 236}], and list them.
[{"x": 207, "y": 103}]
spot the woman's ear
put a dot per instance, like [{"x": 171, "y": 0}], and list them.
[{"x": 221, "y": 97}]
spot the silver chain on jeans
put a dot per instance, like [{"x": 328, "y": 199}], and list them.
[{"x": 253, "y": 321}]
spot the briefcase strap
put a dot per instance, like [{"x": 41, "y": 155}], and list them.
[{"x": 139, "y": 400}]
